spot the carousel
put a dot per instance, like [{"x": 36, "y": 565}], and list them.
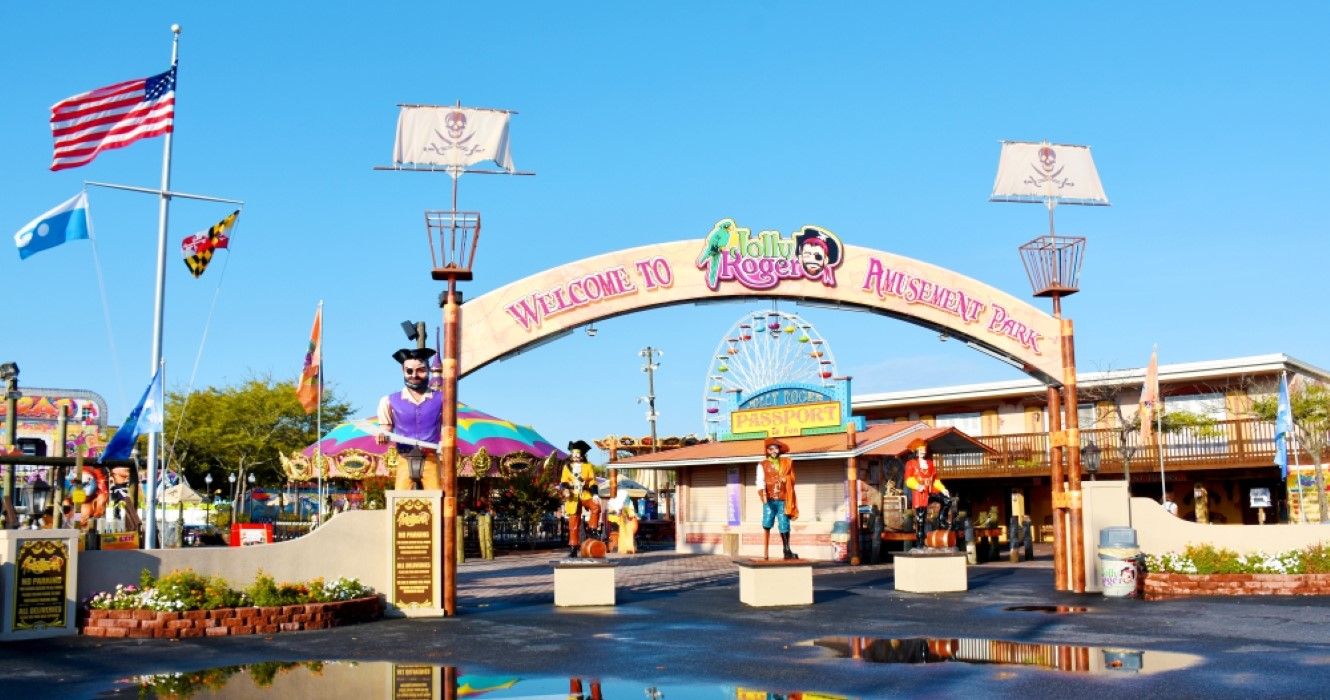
[{"x": 490, "y": 450}]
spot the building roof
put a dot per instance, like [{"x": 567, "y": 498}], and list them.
[
  {"x": 1178, "y": 372},
  {"x": 886, "y": 439}
]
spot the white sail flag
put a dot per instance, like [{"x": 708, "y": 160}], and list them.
[
  {"x": 452, "y": 136},
  {"x": 1039, "y": 172}
]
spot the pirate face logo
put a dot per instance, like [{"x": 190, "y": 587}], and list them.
[{"x": 817, "y": 250}]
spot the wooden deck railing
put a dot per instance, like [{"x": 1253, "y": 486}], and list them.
[{"x": 1231, "y": 443}]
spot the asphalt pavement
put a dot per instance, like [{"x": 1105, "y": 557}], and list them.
[{"x": 679, "y": 620}]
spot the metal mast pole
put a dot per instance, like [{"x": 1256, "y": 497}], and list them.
[
  {"x": 163, "y": 214},
  {"x": 318, "y": 426}
]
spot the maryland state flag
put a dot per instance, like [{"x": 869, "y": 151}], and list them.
[
  {"x": 308, "y": 390},
  {"x": 197, "y": 249}
]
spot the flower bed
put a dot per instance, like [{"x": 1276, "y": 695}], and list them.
[
  {"x": 1205, "y": 570},
  {"x": 1159, "y": 586},
  {"x": 185, "y": 604},
  {"x": 230, "y": 622}
]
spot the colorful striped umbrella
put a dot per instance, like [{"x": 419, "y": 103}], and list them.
[{"x": 475, "y": 429}]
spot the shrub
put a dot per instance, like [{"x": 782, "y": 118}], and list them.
[
  {"x": 1206, "y": 559},
  {"x": 1316, "y": 559},
  {"x": 186, "y": 590}
]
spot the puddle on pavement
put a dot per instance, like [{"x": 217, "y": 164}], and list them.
[
  {"x": 1051, "y": 609},
  {"x": 330, "y": 680},
  {"x": 1057, "y": 657}
]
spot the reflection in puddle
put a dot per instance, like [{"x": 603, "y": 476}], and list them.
[
  {"x": 1060, "y": 657},
  {"x": 329, "y": 680},
  {"x": 1054, "y": 609}
]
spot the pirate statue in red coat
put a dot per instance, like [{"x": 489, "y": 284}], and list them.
[
  {"x": 925, "y": 488},
  {"x": 775, "y": 488}
]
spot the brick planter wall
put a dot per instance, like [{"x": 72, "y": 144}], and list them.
[
  {"x": 229, "y": 622},
  {"x": 1159, "y": 586}
]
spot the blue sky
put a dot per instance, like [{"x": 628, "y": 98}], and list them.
[{"x": 647, "y": 123}]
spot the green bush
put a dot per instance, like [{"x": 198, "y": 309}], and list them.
[
  {"x": 1316, "y": 559},
  {"x": 1206, "y": 559},
  {"x": 186, "y": 590}
]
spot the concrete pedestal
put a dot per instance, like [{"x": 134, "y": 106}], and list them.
[
  {"x": 930, "y": 573},
  {"x": 38, "y": 583},
  {"x": 579, "y": 583},
  {"x": 768, "y": 583}
]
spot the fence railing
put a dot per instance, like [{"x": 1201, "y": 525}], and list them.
[{"x": 1228, "y": 443}]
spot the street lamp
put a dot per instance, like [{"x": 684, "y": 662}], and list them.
[
  {"x": 231, "y": 478},
  {"x": 453, "y": 239},
  {"x": 1090, "y": 456},
  {"x": 207, "y": 488},
  {"x": 39, "y": 494},
  {"x": 249, "y": 507}
]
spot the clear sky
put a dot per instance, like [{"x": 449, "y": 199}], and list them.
[{"x": 648, "y": 122}]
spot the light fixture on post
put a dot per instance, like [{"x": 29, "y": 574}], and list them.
[
  {"x": 1053, "y": 174},
  {"x": 1090, "y": 456},
  {"x": 9, "y": 375},
  {"x": 38, "y": 495},
  {"x": 249, "y": 501},
  {"x": 231, "y": 478},
  {"x": 207, "y": 488},
  {"x": 415, "y": 462}
]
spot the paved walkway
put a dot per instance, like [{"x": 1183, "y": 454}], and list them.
[{"x": 528, "y": 574}]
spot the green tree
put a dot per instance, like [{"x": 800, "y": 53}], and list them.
[
  {"x": 1310, "y": 406},
  {"x": 241, "y": 429}
]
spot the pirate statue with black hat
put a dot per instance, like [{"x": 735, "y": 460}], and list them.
[
  {"x": 416, "y": 413},
  {"x": 775, "y": 488},
  {"x": 926, "y": 488},
  {"x": 577, "y": 487}
]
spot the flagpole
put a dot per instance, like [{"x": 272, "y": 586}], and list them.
[
  {"x": 163, "y": 215},
  {"x": 318, "y": 420}
]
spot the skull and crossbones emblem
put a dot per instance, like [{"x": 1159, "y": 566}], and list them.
[
  {"x": 1047, "y": 171},
  {"x": 455, "y": 123}
]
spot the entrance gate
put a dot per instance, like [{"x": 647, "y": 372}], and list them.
[{"x": 811, "y": 264}]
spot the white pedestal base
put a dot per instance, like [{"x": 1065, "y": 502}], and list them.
[
  {"x": 772, "y": 583},
  {"x": 931, "y": 573},
  {"x": 583, "y": 584}
]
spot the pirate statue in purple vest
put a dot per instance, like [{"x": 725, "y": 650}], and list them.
[{"x": 412, "y": 418}]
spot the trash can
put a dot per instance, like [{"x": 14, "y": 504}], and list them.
[
  {"x": 840, "y": 541},
  {"x": 1119, "y": 562}
]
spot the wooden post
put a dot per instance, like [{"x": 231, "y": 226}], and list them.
[
  {"x": 452, "y": 329},
  {"x": 1073, "y": 457},
  {"x": 852, "y": 480},
  {"x": 1060, "y": 581}
]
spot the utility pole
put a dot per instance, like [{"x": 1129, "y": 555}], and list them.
[
  {"x": 650, "y": 354},
  {"x": 650, "y": 368}
]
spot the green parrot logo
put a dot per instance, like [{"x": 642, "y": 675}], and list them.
[{"x": 709, "y": 258}]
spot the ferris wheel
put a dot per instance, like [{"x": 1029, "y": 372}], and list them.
[{"x": 762, "y": 349}]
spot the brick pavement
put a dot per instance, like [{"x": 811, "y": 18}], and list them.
[{"x": 530, "y": 574}]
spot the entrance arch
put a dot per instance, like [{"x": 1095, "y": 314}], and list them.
[{"x": 810, "y": 264}]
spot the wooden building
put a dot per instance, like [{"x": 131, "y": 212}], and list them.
[{"x": 1220, "y": 464}]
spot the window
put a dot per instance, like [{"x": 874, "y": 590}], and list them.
[
  {"x": 1085, "y": 416},
  {"x": 1193, "y": 442},
  {"x": 968, "y": 423}
]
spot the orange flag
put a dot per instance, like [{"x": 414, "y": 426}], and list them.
[
  {"x": 1149, "y": 398},
  {"x": 308, "y": 390}
]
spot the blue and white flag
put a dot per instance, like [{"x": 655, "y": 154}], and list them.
[
  {"x": 147, "y": 417},
  {"x": 1283, "y": 426},
  {"x": 67, "y": 222}
]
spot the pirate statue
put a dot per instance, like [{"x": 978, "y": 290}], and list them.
[
  {"x": 925, "y": 488},
  {"x": 775, "y": 488},
  {"x": 577, "y": 488},
  {"x": 414, "y": 413}
]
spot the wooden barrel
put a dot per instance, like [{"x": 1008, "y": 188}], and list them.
[
  {"x": 940, "y": 539},
  {"x": 592, "y": 549}
]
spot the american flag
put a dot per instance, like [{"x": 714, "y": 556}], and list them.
[{"x": 111, "y": 117}]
